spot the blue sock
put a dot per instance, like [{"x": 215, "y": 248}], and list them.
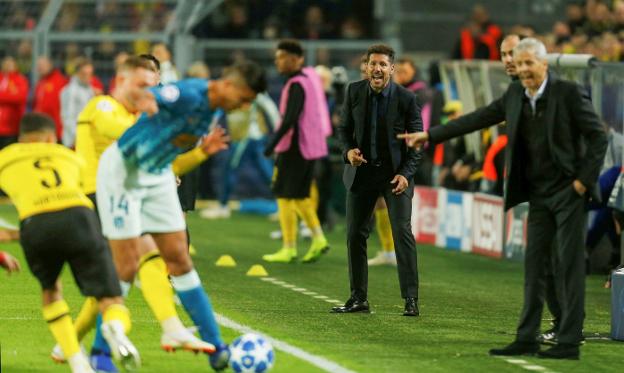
[
  {"x": 197, "y": 304},
  {"x": 99, "y": 343}
]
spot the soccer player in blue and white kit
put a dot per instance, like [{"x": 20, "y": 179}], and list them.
[{"x": 136, "y": 188}]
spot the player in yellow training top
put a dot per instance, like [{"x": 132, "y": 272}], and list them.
[
  {"x": 58, "y": 226},
  {"x": 102, "y": 121}
]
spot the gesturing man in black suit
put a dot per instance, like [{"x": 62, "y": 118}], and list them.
[
  {"x": 555, "y": 150},
  {"x": 374, "y": 112}
]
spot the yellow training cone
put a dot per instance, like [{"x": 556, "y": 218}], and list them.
[
  {"x": 225, "y": 261},
  {"x": 257, "y": 270}
]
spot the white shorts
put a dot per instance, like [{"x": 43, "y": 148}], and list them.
[{"x": 132, "y": 201}]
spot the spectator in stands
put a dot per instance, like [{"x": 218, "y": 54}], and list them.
[
  {"x": 314, "y": 25},
  {"x": 198, "y": 69},
  {"x": 575, "y": 17},
  {"x": 479, "y": 39},
  {"x": 47, "y": 96},
  {"x": 408, "y": 76},
  {"x": 74, "y": 97},
  {"x": 13, "y": 97},
  {"x": 23, "y": 56},
  {"x": 618, "y": 19},
  {"x": 598, "y": 19},
  {"x": 168, "y": 72}
]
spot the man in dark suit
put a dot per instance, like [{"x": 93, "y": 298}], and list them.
[
  {"x": 377, "y": 164},
  {"x": 554, "y": 154}
]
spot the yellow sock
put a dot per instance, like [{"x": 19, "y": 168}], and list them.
[
  {"x": 86, "y": 317},
  {"x": 288, "y": 221},
  {"x": 118, "y": 312},
  {"x": 305, "y": 209},
  {"x": 314, "y": 196},
  {"x": 384, "y": 229},
  {"x": 59, "y": 321},
  {"x": 156, "y": 287}
]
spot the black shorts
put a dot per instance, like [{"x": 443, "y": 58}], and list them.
[
  {"x": 74, "y": 236},
  {"x": 94, "y": 201},
  {"x": 294, "y": 176},
  {"x": 187, "y": 191}
]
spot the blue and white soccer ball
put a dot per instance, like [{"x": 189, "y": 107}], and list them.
[{"x": 251, "y": 353}]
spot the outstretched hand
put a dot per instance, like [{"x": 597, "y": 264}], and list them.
[
  {"x": 414, "y": 140},
  {"x": 8, "y": 262},
  {"x": 355, "y": 157},
  {"x": 215, "y": 141}
]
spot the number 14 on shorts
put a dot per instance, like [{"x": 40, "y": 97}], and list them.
[{"x": 119, "y": 206}]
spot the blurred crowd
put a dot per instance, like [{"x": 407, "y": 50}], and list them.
[{"x": 592, "y": 26}]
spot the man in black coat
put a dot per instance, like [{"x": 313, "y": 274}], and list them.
[
  {"x": 375, "y": 111},
  {"x": 554, "y": 154}
]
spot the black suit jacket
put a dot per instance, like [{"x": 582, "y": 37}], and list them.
[
  {"x": 576, "y": 137},
  {"x": 403, "y": 115}
]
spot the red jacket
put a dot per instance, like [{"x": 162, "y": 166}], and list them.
[
  {"x": 48, "y": 97},
  {"x": 13, "y": 96}
]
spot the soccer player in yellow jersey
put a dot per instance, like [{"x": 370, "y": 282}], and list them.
[
  {"x": 103, "y": 120},
  {"x": 58, "y": 226}
]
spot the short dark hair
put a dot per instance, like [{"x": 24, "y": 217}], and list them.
[
  {"x": 408, "y": 61},
  {"x": 380, "y": 49},
  {"x": 291, "y": 46},
  {"x": 136, "y": 62},
  {"x": 150, "y": 57},
  {"x": 251, "y": 72},
  {"x": 36, "y": 122}
]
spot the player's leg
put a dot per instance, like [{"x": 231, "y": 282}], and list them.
[
  {"x": 307, "y": 211},
  {"x": 384, "y": 230},
  {"x": 56, "y": 314},
  {"x": 158, "y": 294},
  {"x": 46, "y": 255},
  {"x": 287, "y": 212},
  {"x": 162, "y": 217},
  {"x": 96, "y": 276}
]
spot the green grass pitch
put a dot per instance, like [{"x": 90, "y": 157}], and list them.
[{"x": 468, "y": 304}]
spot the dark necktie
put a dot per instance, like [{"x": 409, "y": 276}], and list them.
[{"x": 373, "y": 129}]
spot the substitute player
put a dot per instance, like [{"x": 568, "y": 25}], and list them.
[
  {"x": 136, "y": 188},
  {"x": 58, "y": 226}
]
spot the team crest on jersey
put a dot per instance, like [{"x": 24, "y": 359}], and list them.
[
  {"x": 170, "y": 93},
  {"x": 104, "y": 106}
]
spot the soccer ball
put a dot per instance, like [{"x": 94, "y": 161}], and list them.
[{"x": 251, "y": 353}]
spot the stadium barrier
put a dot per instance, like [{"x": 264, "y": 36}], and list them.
[{"x": 469, "y": 222}]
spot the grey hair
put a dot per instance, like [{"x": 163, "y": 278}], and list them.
[{"x": 531, "y": 44}]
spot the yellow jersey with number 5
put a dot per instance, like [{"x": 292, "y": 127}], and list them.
[{"x": 42, "y": 177}]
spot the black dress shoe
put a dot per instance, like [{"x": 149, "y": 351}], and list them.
[
  {"x": 352, "y": 305},
  {"x": 561, "y": 351},
  {"x": 411, "y": 307},
  {"x": 516, "y": 348}
]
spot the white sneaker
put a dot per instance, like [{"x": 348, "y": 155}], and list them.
[
  {"x": 304, "y": 231},
  {"x": 121, "y": 348},
  {"x": 276, "y": 235},
  {"x": 80, "y": 364},
  {"x": 383, "y": 258},
  {"x": 221, "y": 212},
  {"x": 184, "y": 340},
  {"x": 59, "y": 357}
]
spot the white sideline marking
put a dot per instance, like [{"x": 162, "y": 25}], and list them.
[
  {"x": 320, "y": 297},
  {"x": 528, "y": 366},
  {"x": 534, "y": 367},
  {"x": 303, "y": 290},
  {"x": 318, "y": 361},
  {"x": 289, "y": 286},
  {"x": 310, "y": 293}
]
